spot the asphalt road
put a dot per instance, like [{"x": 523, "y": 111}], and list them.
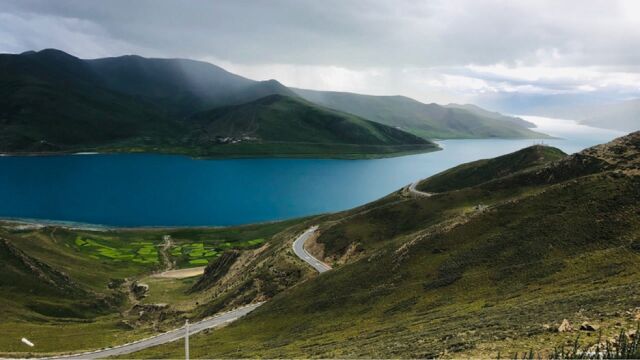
[
  {"x": 413, "y": 190},
  {"x": 298, "y": 249},
  {"x": 170, "y": 336}
]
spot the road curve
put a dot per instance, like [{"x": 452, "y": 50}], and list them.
[
  {"x": 173, "y": 335},
  {"x": 298, "y": 249},
  {"x": 413, "y": 190}
]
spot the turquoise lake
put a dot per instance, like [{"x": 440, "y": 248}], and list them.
[{"x": 163, "y": 190}]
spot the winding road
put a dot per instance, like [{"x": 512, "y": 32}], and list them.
[
  {"x": 298, "y": 249},
  {"x": 173, "y": 335},
  {"x": 413, "y": 190}
]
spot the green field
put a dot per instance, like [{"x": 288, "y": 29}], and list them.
[
  {"x": 142, "y": 252},
  {"x": 198, "y": 254}
]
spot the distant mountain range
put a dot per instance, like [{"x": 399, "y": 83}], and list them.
[
  {"x": 622, "y": 115},
  {"x": 51, "y": 101}
]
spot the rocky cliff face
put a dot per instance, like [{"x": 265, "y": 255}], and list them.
[{"x": 215, "y": 270}]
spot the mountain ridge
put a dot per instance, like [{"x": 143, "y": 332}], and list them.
[
  {"x": 425, "y": 120},
  {"x": 52, "y": 102}
]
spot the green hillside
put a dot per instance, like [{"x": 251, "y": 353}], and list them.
[
  {"x": 421, "y": 277},
  {"x": 53, "y": 102},
  {"x": 278, "y": 119},
  {"x": 430, "y": 121},
  {"x": 481, "y": 171}
]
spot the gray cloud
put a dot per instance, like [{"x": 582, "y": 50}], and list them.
[
  {"x": 401, "y": 46},
  {"x": 364, "y": 33}
]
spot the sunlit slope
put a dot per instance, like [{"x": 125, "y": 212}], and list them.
[
  {"x": 438, "y": 276},
  {"x": 431, "y": 121}
]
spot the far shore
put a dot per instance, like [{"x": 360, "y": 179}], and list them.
[{"x": 29, "y": 223}]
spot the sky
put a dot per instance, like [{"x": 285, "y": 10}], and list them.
[{"x": 507, "y": 55}]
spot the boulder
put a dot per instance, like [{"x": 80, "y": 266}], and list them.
[
  {"x": 588, "y": 327},
  {"x": 139, "y": 290},
  {"x": 565, "y": 326}
]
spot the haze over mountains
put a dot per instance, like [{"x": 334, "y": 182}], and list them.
[
  {"x": 52, "y": 101},
  {"x": 426, "y": 120},
  {"x": 620, "y": 115}
]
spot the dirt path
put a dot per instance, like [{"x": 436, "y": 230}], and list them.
[
  {"x": 164, "y": 253},
  {"x": 169, "y": 265},
  {"x": 181, "y": 273}
]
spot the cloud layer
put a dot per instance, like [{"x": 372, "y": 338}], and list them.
[{"x": 443, "y": 51}]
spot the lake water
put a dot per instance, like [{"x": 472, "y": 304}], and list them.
[{"x": 164, "y": 190}]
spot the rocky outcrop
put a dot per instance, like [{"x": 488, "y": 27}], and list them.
[
  {"x": 588, "y": 327},
  {"x": 216, "y": 269},
  {"x": 565, "y": 326},
  {"x": 139, "y": 290}
]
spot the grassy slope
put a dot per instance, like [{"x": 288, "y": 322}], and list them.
[
  {"x": 432, "y": 277},
  {"x": 481, "y": 171},
  {"x": 296, "y": 123},
  {"x": 57, "y": 315},
  {"x": 425, "y": 120}
]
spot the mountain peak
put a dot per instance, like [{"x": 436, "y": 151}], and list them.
[{"x": 52, "y": 53}]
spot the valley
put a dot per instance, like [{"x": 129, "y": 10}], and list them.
[
  {"x": 62, "y": 283},
  {"x": 402, "y": 268}
]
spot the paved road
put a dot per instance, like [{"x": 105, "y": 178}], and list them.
[
  {"x": 172, "y": 335},
  {"x": 412, "y": 189},
  {"x": 298, "y": 249}
]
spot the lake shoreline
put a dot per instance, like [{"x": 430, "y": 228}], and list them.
[
  {"x": 155, "y": 191},
  {"x": 29, "y": 223},
  {"x": 396, "y": 152}
]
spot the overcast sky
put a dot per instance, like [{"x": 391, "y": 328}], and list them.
[{"x": 435, "y": 51}]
